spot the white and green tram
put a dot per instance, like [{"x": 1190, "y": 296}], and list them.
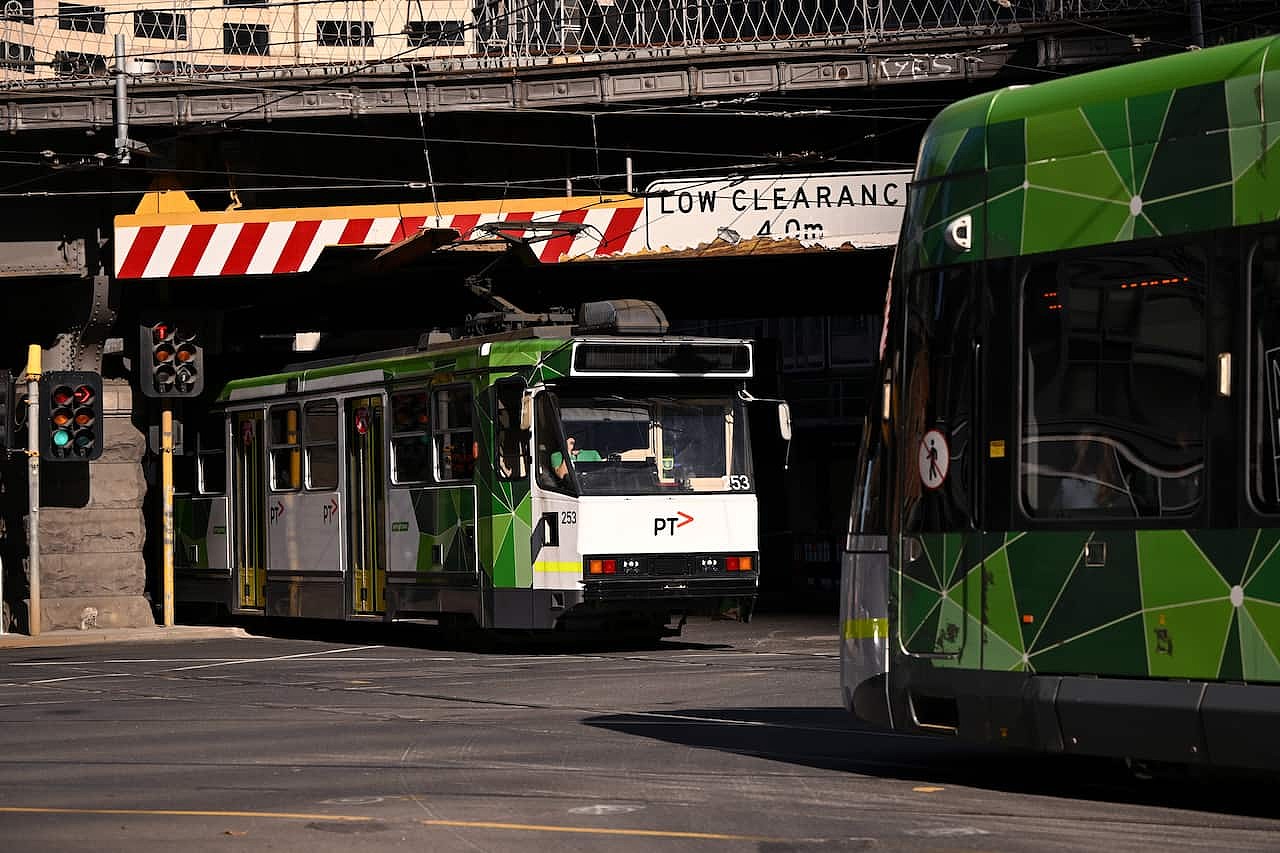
[{"x": 437, "y": 483}]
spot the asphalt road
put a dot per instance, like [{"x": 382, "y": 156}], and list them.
[{"x": 730, "y": 737}]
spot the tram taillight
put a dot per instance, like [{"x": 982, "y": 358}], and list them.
[
  {"x": 602, "y": 567},
  {"x": 70, "y": 416},
  {"x": 171, "y": 357}
]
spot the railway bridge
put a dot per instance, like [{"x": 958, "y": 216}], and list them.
[{"x": 249, "y": 162}]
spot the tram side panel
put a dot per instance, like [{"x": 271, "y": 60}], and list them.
[
  {"x": 304, "y": 548},
  {"x": 432, "y": 561},
  {"x": 202, "y": 552}
]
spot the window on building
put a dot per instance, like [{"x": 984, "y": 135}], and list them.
[
  {"x": 285, "y": 448},
  {"x": 452, "y": 433},
  {"x": 1114, "y": 372},
  {"x": 18, "y": 57},
  {"x": 80, "y": 65},
  {"x": 82, "y": 19},
  {"x": 22, "y": 11},
  {"x": 855, "y": 340},
  {"x": 344, "y": 33},
  {"x": 320, "y": 442},
  {"x": 160, "y": 25},
  {"x": 433, "y": 33},
  {"x": 803, "y": 343},
  {"x": 246, "y": 39},
  {"x": 410, "y": 437}
]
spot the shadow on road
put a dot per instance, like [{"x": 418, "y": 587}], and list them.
[
  {"x": 462, "y": 639},
  {"x": 829, "y": 739}
]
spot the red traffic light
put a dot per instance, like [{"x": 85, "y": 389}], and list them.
[
  {"x": 171, "y": 356},
  {"x": 68, "y": 424}
]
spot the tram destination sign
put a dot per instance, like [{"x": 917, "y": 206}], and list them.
[{"x": 862, "y": 209}]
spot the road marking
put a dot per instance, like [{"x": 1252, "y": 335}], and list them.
[
  {"x": 583, "y": 830},
  {"x": 948, "y": 832},
  {"x": 79, "y": 677},
  {"x": 182, "y": 813},
  {"x": 275, "y": 659}
]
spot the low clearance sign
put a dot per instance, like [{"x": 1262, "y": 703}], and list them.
[{"x": 859, "y": 208}]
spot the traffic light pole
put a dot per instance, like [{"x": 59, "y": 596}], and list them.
[
  {"x": 166, "y": 489},
  {"x": 33, "y": 483}
]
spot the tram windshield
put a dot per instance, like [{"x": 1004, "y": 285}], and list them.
[{"x": 650, "y": 445}]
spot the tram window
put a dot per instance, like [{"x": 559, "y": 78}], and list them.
[
  {"x": 410, "y": 437},
  {"x": 320, "y": 438},
  {"x": 285, "y": 450},
  {"x": 1113, "y": 378},
  {"x": 454, "y": 442},
  {"x": 1264, "y": 375},
  {"x": 550, "y": 447},
  {"x": 211, "y": 457},
  {"x": 510, "y": 445}
]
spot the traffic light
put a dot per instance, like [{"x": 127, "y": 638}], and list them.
[
  {"x": 70, "y": 416},
  {"x": 172, "y": 358}
]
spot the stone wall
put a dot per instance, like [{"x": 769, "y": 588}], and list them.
[{"x": 93, "y": 532}]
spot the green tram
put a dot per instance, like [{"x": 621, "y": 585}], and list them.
[
  {"x": 1065, "y": 530},
  {"x": 545, "y": 478}
]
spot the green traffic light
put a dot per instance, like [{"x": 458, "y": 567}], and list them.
[{"x": 61, "y": 438}]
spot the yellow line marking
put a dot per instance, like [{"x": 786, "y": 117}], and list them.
[
  {"x": 650, "y": 833},
  {"x": 181, "y": 812},
  {"x": 927, "y": 789}
]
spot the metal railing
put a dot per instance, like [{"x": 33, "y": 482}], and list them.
[{"x": 45, "y": 41}]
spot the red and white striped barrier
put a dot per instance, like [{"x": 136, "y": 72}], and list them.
[{"x": 274, "y": 242}]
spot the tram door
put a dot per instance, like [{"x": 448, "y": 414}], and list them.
[
  {"x": 941, "y": 560},
  {"x": 366, "y": 504},
  {"x": 249, "y": 487}
]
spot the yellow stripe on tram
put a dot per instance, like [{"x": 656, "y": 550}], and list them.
[
  {"x": 866, "y": 629},
  {"x": 553, "y": 567}
]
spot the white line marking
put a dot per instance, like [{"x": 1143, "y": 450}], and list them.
[
  {"x": 280, "y": 658},
  {"x": 79, "y": 677}
]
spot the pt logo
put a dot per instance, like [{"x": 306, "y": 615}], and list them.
[
  {"x": 669, "y": 524},
  {"x": 331, "y": 510},
  {"x": 277, "y": 512}
]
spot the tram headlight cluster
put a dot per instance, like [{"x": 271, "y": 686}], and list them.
[
  {"x": 71, "y": 416},
  {"x": 673, "y": 564}
]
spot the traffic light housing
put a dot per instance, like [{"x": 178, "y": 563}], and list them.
[
  {"x": 7, "y": 410},
  {"x": 7, "y": 406},
  {"x": 70, "y": 416},
  {"x": 171, "y": 356}
]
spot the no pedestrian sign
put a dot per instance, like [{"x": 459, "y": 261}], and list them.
[{"x": 935, "y": 459}]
